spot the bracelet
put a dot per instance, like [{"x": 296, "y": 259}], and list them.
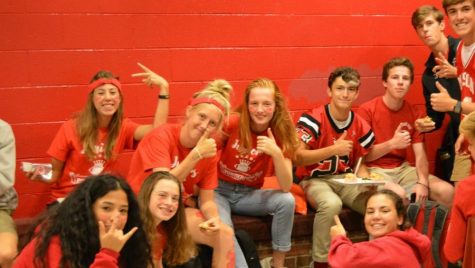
[
  {"x": 163, "y": 97},
  {"x": 199, "y": 154},
  {"x": 427, "y": 186}
]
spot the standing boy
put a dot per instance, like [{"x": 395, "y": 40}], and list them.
[{"x": 428, "y": 22}]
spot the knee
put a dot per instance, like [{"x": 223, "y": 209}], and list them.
[
  {"x": 286, "y": 201},
  {"x": 331, "y": 205},
  {"x": 7, "y": 255},
  {"x": 226, "y": 233}
]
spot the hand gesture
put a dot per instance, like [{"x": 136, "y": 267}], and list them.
[
  {"x": 114, "y": 238},
  {"x": 422, "y": 192},
  {"x": 337, "y": 229},
  {"x": 442, "y": 102},
  {"x": 424, "y": 124},
  {"x": 152, "y": 79},
  {"x": 401, "y": 138},
  {"x": 342, "y": 146},
  {"x": 267, "y": 144},
  {"x": 444, "y": 69},
  {"x": 206, "y": 147},
  {"x": 211, "y": 225}
]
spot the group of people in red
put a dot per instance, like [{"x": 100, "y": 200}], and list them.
[{"x": 186, "y": 179}]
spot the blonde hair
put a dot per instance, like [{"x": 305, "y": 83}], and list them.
[
  {"x": 281, "y": 123},
  {"x": 87, "y": 124},
  {"x": 467, "y": 126},
  {"x": 218, "y": 90}
]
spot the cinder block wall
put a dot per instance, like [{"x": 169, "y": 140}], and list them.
[{"x": 49, "y": 50}]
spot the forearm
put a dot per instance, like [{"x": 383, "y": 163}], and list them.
[
  {"x": 283, "y": 171},
  {"x": 184, "y": 168},
  {"x": 379, "y": 150},
  {"x": 161, "y": 112},
  {"x": 207, "y": 205},
  {"x": 305, "y": 157},
  {"x": 363, "y": 171},
  {"x": 57, "y": 170},
  {"x": 422, "y": 169}
]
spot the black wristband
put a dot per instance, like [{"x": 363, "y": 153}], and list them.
[{"x": 164, "y": 97}]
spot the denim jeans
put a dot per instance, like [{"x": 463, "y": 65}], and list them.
[{"x": 244, "y": 200}]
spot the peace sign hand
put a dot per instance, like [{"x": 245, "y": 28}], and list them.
[
  {"x": 150, "y": 79},
  {"x": 114, "y": 238},
  {"x": 444, "y": 69}
]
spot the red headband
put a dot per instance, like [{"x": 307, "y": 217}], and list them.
[
  {"x": 103, "y": 81},
  {"x": 207, "y": 100}
]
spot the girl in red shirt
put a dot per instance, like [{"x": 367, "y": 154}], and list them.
[
  {"x": 260, "y": 141},
  {"x": 97, "y": 225},
  {"x": 163, "y": 212},
  {"x": 189, "y": 153},
  {"x": 90, "y": 143}
]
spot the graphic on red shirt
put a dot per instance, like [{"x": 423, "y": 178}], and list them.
[
  {"x": 66, "y": 147},
  {"x": 161, "y": 148},
  {"x": 318, "y": 130},
  {"x": 247, "y": 167}
]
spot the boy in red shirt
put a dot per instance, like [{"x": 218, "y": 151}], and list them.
[{"x": 392, "y": 119}]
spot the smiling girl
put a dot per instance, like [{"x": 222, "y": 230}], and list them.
[
  {"x": 97, "y": 225},
  {"x": 187, "y": 152},
  {"x": 90, "y": 143},
  {"x": 394, "y": 243},
  {"x": 163, "y": 211},
  {"x": 260, "y": 141}
]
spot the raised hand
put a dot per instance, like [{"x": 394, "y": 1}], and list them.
[
  {"x": 337, "y": 229},
  {"x": 442, "y": 102},
  {"x": 342, "y": 146},
  {"x": 401, "y": 138},
  {"x": 206, "y": 147},
  {"x": 152, "y": 79},
  {"x": 267, "y": 144},
  {"x": 114, "y": 238},
  {"x": 444, "y": 69}
]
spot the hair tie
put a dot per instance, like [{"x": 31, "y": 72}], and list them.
[
  {"x": 103, "y": 81},
  {"x": 199, "y": 100}
]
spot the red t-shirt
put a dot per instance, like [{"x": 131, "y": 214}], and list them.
[
  {"x": 317, "y": 130},
  {"x": 66, "y": 147},
  {"x": 466, "y": 75},
  {"x": 162, "y": 148},
  {"x": 105, "y": 258},
  {"x": 160, "y": 243},
  {"x": 247, "y": 168},
  {"x": 384, "y": 122},
  {"x": 462, "y": 209}
]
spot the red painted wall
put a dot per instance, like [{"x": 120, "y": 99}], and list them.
[{"x": 50, "y": 49}]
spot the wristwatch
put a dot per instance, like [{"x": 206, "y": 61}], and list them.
[{"x": 458, "y": 107}]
